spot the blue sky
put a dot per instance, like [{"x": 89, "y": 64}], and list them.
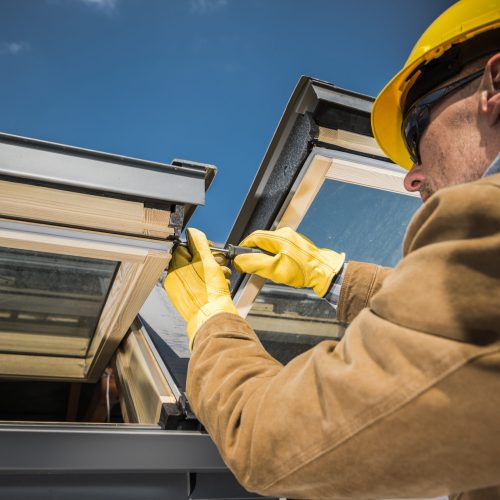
[{"x": 205, "y": 80}]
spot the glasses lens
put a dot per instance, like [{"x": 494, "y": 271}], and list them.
[
  {"x": 417, "y": 118},
  {"x": 411, "y": 135},
  {"x": 414, "y": 125}
]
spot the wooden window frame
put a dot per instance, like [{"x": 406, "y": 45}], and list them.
[
  {"x": 68, "y": 208},
  {"x": 325, "y": 164},
  {"x": 143, "y": 385},
  {"x": 141, "y": 263}
]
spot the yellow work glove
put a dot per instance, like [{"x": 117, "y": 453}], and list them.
[
  {"x": 298, "y": 262},
  {"x": 196, "y": 284}
]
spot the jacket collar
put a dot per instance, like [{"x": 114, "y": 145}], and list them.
[{"x": 494, "y": 168}]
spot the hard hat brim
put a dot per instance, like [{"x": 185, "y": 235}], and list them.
[{"x": 387, "y": 117}]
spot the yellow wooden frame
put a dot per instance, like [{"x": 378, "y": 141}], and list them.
[{"x": 139, "y": 269}]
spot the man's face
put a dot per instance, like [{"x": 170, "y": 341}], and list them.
[{"x": 450, "y": 148}]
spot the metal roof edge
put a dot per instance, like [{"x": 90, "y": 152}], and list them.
[
  {"x": 277, "y": 141},
  {"x": 308, "y": 92},
  {"x": 58, "y": 164},
  {"x": 195, "y": 168}
]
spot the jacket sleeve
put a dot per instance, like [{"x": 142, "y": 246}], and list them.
[
  {"x": 388, "y": 413},
  {"x": 398, "y": 408},
  {"x": 361, "y": 282}
]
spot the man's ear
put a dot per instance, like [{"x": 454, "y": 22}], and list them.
[{"x": 490, "y": 91}]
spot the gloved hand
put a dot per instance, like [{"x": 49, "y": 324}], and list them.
[
  {"x": 298, "y": 262},
  {"x": 196, "y": 284}
]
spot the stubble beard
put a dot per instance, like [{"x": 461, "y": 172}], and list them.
[{"x": 431, "y": 186}]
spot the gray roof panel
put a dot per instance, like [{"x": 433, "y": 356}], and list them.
[{"x": 60, "y": 165}]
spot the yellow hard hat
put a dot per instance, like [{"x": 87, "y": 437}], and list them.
[{"x": 460, "y": 23}]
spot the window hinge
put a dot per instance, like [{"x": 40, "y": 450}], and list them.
[{"x": 178, "y": 416}]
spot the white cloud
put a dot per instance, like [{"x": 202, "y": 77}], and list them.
[
  {"x": 103, "y": 5},
  {"x": 204, "y": 6},
  {"x": 13, "y": 48}
]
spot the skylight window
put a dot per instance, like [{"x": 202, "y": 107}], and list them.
[
  {"x": 51, "y": 303},
  {"x": 345, "y": 202}
]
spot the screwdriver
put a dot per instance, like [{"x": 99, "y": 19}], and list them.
[{"x": 230, "y": 251}]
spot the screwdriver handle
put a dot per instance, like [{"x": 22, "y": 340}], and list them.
[{"x": 234, "y": 250}]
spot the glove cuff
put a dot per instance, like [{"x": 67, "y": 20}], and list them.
[
  {"x": 221, "y": 304},
  {"x": 328, "y": 271}
]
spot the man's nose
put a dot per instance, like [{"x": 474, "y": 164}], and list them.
[{"x": 414, "y": 179}]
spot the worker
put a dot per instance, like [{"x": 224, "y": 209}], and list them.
[{"x": 407, "y": 404}]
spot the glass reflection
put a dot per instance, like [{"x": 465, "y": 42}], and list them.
[
  {"x": 50, "y": 303},
  {"x": 368, "y": 225}
]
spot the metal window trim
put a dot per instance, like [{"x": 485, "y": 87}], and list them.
[
  {"x": 317, "y": 90},
  {"x": 304, "y": 99},
  {"x": 61, "y": 165}
]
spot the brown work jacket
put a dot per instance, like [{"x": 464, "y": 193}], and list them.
[{"x": 406, "y": 405}]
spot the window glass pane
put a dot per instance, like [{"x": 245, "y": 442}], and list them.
[
  {"x": 50, "y": 303},
  {"x": 289, "y": 321},
  {"x": 368, "y": 225}
]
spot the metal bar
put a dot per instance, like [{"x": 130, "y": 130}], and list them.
[
  {"x": 339, "y": 96},
  {"x": 85, "y": 169},
  {"x": 112, "y": 448},
  {"x": 96, "y": 486}
]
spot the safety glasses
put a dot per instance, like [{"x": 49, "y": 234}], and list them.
[{"x": 416, "y": 118}]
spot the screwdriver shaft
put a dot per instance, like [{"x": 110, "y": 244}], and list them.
[
  {"x": 231, "y": 251},
  {"x": 182, "y": 243}
]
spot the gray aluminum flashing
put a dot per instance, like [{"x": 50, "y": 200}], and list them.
[
  {"x": 304, "y": 99},
  {"x": 150, "y": 461},
  {"x": 104, "y": 448},
  {"x": 57, "y": 164},
  {"x": 316, "y": 90},
  {"x": 96, "y": 486},
  {"x": 122, "y": 486}
]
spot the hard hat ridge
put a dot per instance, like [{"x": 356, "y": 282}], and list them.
[
  {"x": 464, "y": 21},
  {"x": 437, "y": 71}
]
